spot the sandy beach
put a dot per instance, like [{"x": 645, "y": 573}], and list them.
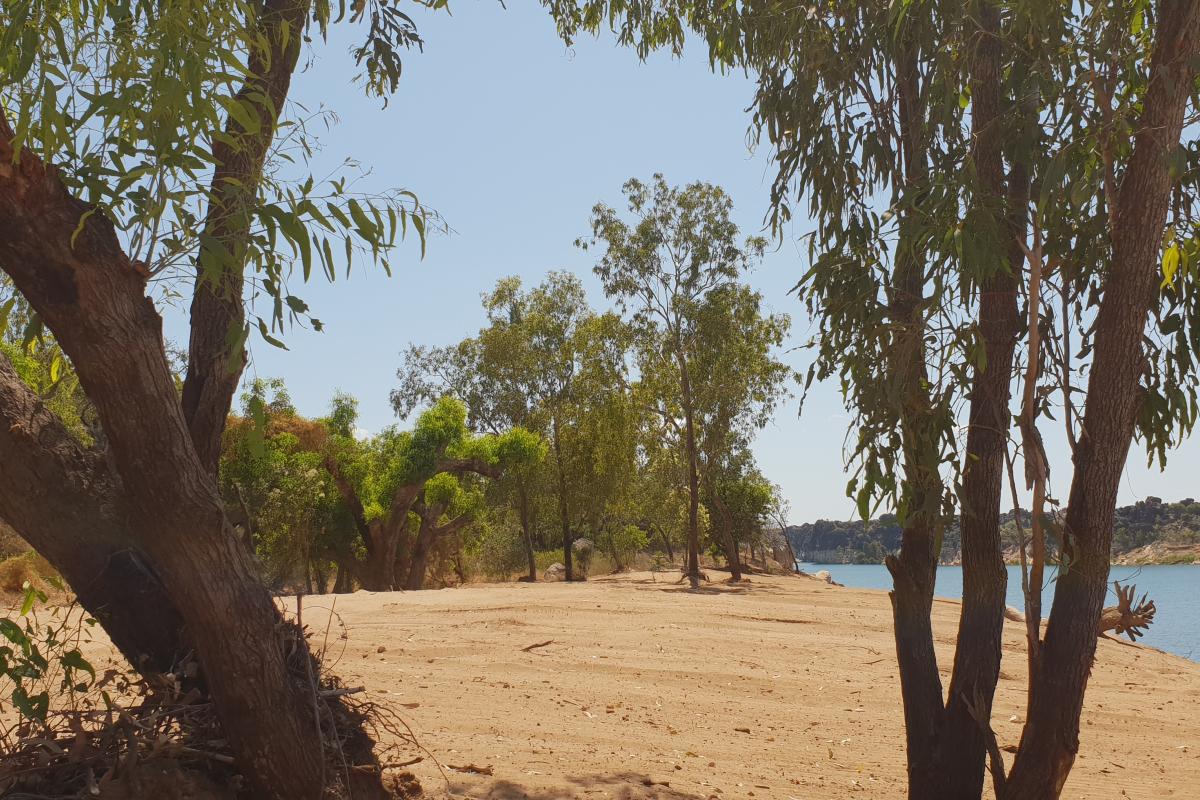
[{"x": 784, "y": 687}]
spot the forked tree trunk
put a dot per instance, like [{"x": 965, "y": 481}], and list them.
[
  {"x": 71, "y": 269},
  {"x": 427, "y": 536},
  {"x": 728, "y": 544},
  {"x": 1050, "y": 740},
  {"x": 963, "y": 744},
  {"x": 92, "y": 298}
]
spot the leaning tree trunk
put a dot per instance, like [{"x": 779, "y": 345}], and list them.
[
  {"x": 92, "y": 297},
  {"x": 51, "y": 490},
  {"x": 69, "y": 265},
  {"x": 963, "y": 742},
  {"x": 1050, "y": 740}
]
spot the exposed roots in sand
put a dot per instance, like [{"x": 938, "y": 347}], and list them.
[{"x": 131, "y": 737}]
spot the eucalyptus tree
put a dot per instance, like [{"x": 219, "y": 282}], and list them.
[
  {"x": 678, "y": 253},
  {"x": 737, "y": 353},
  {"x": 1114, "y": 226},
  {"x": 547, "y": 362},
  {"x": 278, "y": 493},
  {"x": 863, "y": 107},
  {"x": 1069, "y": 161},
  {"x": 398, "y": 485},
  {"x": 139, "y": 144}
]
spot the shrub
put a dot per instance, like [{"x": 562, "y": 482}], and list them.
[
  {"x": 498, "y": 551},
  {"x": 623, "y": 545}
]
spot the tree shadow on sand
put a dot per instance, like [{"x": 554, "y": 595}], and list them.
[{"x": 620, "y": 785}]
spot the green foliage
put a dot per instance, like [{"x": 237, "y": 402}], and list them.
[
  {"x": 133, "y": 101},
  {"x": 40, "y": 659},
  {"x": 277, "y": 489},
  {"x": 42, "y": 365},
  {"x": 623, "y": 544}
]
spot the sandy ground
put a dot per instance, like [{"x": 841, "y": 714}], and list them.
[{"x": 783, "y": 688}]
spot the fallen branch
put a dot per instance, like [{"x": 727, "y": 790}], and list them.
[
  {"x": 533, "y": 647},
  {"x": 488, "y": 770}
]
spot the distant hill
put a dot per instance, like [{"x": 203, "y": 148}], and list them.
[{"x": 1149, "y": 531}]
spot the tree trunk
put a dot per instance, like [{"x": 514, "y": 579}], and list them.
[
  {"x": 218, "y": 308},
  {"x": 728, "y": 544},
  {"x": 563, "y": 515},
  {"x": 693, "y": 543},
  {"x": 378, "y": 574},
  {"x": 343, "y": 581},
  {"x": 420, "y": 555},
  {"x": 1050, "y": 740},
  {"x": 666, "y": 543},
  {"x": 92, "y": 297},
  {"x": 963, "y": 749},
  {"x": 51, "y": 490},
  {"x": 913, "y": 571},
  {"x": 527, "y": 534},
  {"x": 792, "y": 563}
]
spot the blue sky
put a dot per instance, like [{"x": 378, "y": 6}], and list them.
[{"x": 512, "y": 138}]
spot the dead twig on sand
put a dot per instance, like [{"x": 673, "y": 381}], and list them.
[
  {"x": 533, "y": 647},
  {"x": 473, "y": 769}
]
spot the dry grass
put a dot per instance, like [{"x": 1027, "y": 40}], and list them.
[{"x": 26, "y": 567}]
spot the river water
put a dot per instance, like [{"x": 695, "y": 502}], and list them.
[{"x": 1175, "y": 590}]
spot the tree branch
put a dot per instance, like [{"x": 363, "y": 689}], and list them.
[{"x": 218, "y": 307}]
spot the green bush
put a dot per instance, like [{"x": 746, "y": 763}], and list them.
[
  {"x": 623, "y": 545},
  {"x": 497, "y": 551}
]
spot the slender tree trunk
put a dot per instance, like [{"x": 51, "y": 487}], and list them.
[
  {"x": 218, "y": 308},
  {"x": 693, "y": 543},
  {"x": 1050, "y": 740},
  {"x": 563, "y": 514},
  {"x": 914, "y": 569},
  {"x": 527, "y": 534},
  {"x": 792, "y": 565},
  {"x": 981, "y": 624}
]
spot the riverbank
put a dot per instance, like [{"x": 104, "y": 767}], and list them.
[{"x": 781, "y": 688}]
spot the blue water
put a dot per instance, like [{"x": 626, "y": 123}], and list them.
[{"x": 1174, "y": 589}]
